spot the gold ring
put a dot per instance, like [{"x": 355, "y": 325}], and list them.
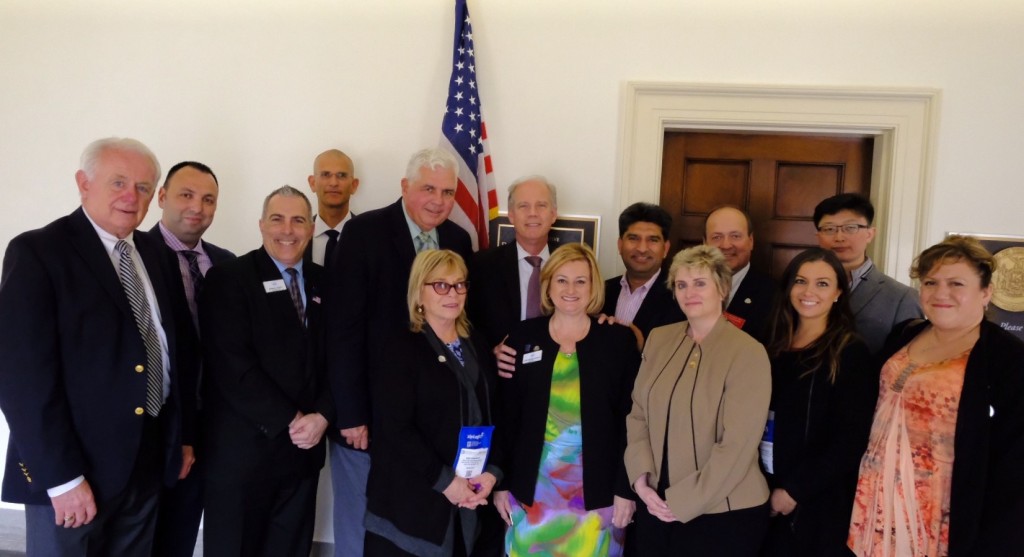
[{"x": 69, "y": 518}]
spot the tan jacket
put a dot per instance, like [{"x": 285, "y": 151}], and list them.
[{"x": 713, "y": 446}]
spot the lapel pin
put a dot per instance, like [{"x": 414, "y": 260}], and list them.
[
  {"x": 442, "y": 359},
  {"x": 747, "y": 301}
]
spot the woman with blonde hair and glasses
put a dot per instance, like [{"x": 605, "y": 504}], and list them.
[
  {"x": 438, "y": 381},
  {"x": 943, "y": 473},
  {"x": 699, "y": 407},
  {"x": 565, "y": 490}
]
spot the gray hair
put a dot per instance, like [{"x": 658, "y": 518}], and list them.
[
  {"x": 287, "y": 191},
  {"x": 431, "y": 158},
  {"x": 520, "y": 181},
  {"x": 93, "y": 151},
  {"x": 704, "y": 257}
]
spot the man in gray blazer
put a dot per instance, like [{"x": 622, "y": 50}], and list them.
[{"x": 878, "y": 301}]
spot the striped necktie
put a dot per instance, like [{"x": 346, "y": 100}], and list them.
[{"x": 136, "y": 293}]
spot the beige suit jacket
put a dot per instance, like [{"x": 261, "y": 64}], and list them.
[{"x": 718, "y": 392}]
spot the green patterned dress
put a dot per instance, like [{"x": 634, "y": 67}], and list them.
[{"x": 557, "y": 524}]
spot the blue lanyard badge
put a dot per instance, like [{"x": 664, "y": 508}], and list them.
[
  {"x": 767, "y": 448},
  {"x": 474, "y": 447}
]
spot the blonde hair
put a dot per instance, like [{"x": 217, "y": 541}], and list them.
[
  {"x": 568, "y": 253},
  {"x": 431, "y": 263},
  {"x": 704, "y": 257}
]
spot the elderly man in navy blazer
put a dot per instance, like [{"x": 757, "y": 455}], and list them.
[
  {"x": 89, "y": 380},
  {"x": 878, "y": 302},
  {"x": 188, "y": 200},
  {"x": 366, "y": 297}
]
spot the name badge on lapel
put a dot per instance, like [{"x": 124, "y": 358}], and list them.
[
  {"x": 534, "y": 356},
  {"x": 274, "y": 285}
]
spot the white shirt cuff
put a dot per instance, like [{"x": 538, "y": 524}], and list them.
[{"x": 64, "y": 488}]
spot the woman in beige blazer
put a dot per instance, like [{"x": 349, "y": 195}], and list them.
[{"x": 700, "y": 403}]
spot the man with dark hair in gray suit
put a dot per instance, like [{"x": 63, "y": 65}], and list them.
[{"x": 878, "y": 302}]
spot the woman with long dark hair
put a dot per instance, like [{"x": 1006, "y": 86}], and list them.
[{"x": 823, "y": 395}]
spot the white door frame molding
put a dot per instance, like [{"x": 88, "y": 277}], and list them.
[{"x": 903, "y": 122}]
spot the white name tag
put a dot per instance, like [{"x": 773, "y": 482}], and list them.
[
  {"x": 274, "y": 285},
  {"x": 531, "y": 357}
]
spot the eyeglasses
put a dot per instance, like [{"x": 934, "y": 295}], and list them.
[
  {"x": 848, "y": 229},
  {"x": 443, "y": 288}
]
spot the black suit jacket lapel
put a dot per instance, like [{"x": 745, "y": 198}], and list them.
[
  {"x": 282, "y": 310},
  {"x": 510, "y": 277},
  {"x": 87, "y": 243},
  {"x": 402, "y": 240}
]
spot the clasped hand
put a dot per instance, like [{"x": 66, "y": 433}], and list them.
[{"x": 470, "y": 493}]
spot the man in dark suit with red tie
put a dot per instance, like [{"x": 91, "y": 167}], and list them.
[
  {"x": 267, "y": 405},
  {"x": 753, "y": 292},
  {"x": 366, "y": 298},
  {"x": 90, "y": 377},
  {"x": 188, "y": 199}
]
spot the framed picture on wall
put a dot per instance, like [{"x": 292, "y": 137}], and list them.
[
  {"x": 1007, "y": 307},
  {"x": 567, "y": 229}
]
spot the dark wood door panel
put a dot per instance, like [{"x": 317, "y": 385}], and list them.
[{"x": 777, "y": 178}]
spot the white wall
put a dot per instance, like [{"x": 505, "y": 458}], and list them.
[{"x": 255, "y": 88}]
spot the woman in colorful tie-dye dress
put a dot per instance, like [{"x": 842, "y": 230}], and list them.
[{"x": 565, "y": 491}]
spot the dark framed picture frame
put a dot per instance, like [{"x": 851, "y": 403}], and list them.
[
  {"x": 1007, "y": 306},
  {"x": 567, "y": 229}
]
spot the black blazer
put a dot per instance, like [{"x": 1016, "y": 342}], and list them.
[
  {"x": 70, "y": 346},
  {"x": 417, "y": 425},
  {"x": 753, "y": 302},
  {"x": 821, "y": 431},
  {"x": 608, "y": 360},
  {"x": 366, "y": 301},
  {"x": 987, "y": 498},
  {"x": 495, "y": 301},
  {"x": 189, "y": 338},
  {"x": 261, "y": 369},
  {"x": 658, "y": 308}
]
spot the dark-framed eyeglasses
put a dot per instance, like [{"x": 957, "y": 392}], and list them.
[
  {"x": 442, "y": 287},
  {"x": 848, "y": 229}
]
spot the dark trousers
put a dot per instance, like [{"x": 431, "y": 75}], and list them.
[
  {"x": 379, "y": 546},
  {"x": 124, "y": 525},
  {"x": 729, "y": 534},
  {"x": 181, "y": 510},
  {"x": 272, "y": 517}
]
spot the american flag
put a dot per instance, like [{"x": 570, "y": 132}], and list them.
[{"x": 463, "y": 133}]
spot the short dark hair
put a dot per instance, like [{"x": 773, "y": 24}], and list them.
[
  {"x": 190, "y": 164},
  {"x": 645, "y": 212},
  {"x": 853, "y": 202}
]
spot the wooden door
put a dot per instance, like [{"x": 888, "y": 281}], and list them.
[{"x": 777, "y": 178}]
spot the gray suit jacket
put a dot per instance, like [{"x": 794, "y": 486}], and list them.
[{"x": 878, "y": 304}]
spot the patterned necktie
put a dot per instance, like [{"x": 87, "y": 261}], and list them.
[
  {"x": 332, "y": 242},
  {"x": 533, "y": 287},
  {"x": 194, "y": 272},
  {"x": 424, "y": 241},
  {"x": 136, "y": 293},
  {"x": 293, "y": 289}
]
